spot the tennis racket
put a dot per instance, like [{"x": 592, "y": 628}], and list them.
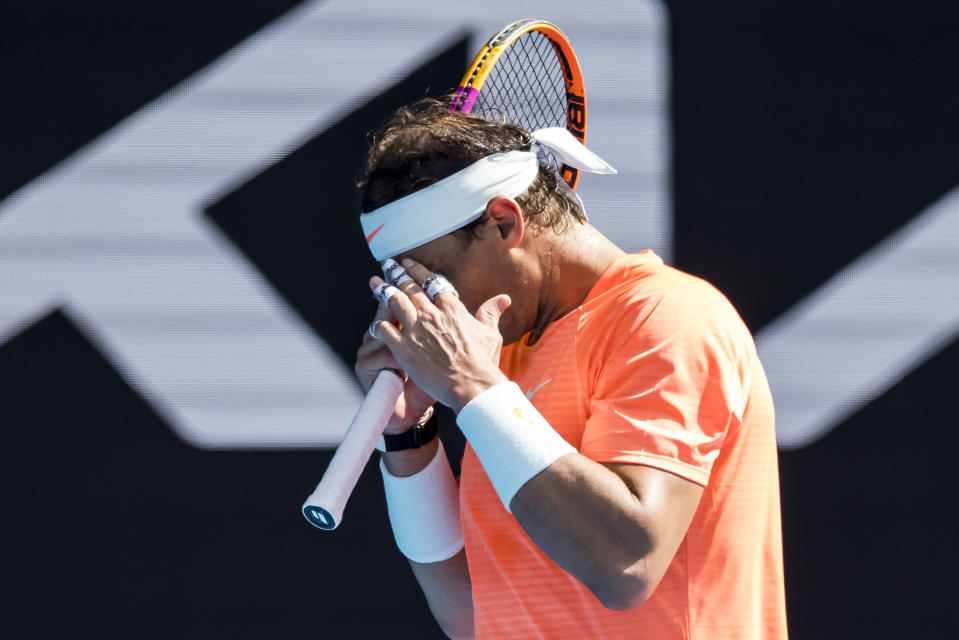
[{"x": 528, "y": 74}]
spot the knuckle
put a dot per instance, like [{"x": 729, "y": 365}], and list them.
[{"x": 430, "y": 314}]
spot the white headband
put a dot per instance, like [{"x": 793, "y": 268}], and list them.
[{"x": 459, "y": 199}]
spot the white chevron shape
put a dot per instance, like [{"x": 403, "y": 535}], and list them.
[{"x": 867, "y": 328}]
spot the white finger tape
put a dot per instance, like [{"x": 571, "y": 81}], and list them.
[
  {"x": 394, "y": 273},
  {"x": 384, "y": 292},
  {"x": 437, "y": 285}
]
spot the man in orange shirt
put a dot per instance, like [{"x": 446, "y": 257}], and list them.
[{"x": 620, "y": 477}]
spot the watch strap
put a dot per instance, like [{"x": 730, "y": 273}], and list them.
[{"x": 413, "y": 438}]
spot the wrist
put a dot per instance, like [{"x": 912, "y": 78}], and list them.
[
  {"x": 398, "y": 424},
  {"x": 465, "y": 391},
  {"x": 415, "y": 437},
  {"x": 510, "y": 437},
  {"x": 424, "y": 510}
]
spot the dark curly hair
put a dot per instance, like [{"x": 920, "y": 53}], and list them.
[{"x": 425, "y": 142}]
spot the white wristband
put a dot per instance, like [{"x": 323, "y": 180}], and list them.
[
  {"x": 424, "y": 511},
  {"x": 510, "y": 437}
]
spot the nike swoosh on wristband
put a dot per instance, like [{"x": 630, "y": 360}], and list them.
[
  {"x": 375, "y": 231},
  {"x": 519, "y": 414},
  {"x": 532, "y": 392}
]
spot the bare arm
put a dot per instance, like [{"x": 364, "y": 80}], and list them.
[
  {"x": 614, "y": 527},
  {"x": 445, "y": 584},
  {"x": 447, "y": 588}
]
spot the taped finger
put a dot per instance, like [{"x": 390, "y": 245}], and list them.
[
  {"x": 394, "y": 273},
  {"x": 437, "y": 285},
  {"x": 384, "y": 292},
  {"x": 404, "y": 311}
]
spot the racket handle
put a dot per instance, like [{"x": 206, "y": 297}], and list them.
[{"x": 324, "y": 508}]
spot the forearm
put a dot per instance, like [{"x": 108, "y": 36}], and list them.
[
  {"x": 585, "y": 518},
  {"x": 445, "y": 583},
  {"x": 579, "y": 513},
  {"x": 448, "y": 591},
  {"x": 615, "y": 528}
]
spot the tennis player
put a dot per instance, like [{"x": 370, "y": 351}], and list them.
[{"x": 620, "y": 476}]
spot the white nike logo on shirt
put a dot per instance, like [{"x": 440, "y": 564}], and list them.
[{"x": 532, "y": 392}]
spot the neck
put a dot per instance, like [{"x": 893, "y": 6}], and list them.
[{"x": 572, "y": 263}]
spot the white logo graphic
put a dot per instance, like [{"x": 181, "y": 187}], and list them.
[
  {"x": 532, "y": 392},
  {"x": 115, "y": 235}
]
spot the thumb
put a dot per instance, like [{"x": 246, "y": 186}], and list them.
[{"x": 491, "y": 310}]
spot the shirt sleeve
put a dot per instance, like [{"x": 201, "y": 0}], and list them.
[{"x": 667, "y": 384}]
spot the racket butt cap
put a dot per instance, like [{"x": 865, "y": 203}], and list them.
[{"x": 319, "y": 517}]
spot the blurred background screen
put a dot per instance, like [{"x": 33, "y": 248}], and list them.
[{"x": 183, "y": 289}]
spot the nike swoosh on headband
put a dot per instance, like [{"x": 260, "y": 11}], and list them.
[{"x": 369, "y": 238}]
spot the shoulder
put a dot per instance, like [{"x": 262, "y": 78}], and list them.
[{"x": 641, "y": 295}]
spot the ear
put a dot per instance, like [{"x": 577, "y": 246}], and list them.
[{"x": 507, "y": 216}]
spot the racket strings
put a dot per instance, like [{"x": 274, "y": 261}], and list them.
[
  {"x": 526, "y": 87},
  {"x": 546, "y": 84}
]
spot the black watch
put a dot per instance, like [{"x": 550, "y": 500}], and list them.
[{"x": 415, "y": 437}]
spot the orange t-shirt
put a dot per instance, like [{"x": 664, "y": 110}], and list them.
[{"x": 654, "y": 368}]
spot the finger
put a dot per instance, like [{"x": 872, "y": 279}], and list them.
[
  {"x": 416, "y": 270},
  {"x": 376, "y": 359},
  {"x": 398, "y": 302},
  {"x": 394, "y": 273},
  {"x": 370, "y": 344},
  {"x": 386, "y": 332},
  {"x": 490, "y": 311},
  {"x": 382, "y": 313},
  {"x": 441, "y": 291},
  {"x": 368, "y": 365},
  {"x": 397, "y": 276},
  {"x": 437, "y": 288}
]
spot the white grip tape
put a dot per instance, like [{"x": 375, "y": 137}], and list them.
[
  {"x": 511, "y": 439},
  {"x": 424, "y": 511},
  {"x": 324, "y": 507}
]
